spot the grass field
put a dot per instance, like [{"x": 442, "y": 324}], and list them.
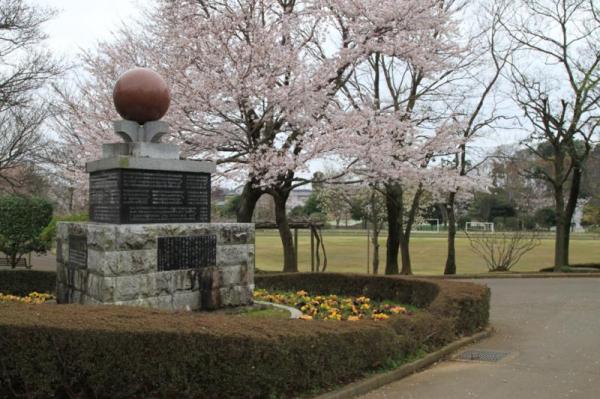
[{"x": 347, "y": 252}]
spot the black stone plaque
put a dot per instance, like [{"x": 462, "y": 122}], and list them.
[
  {"x": 124, "y": 196},
  {"x": 187, "y": 252},
  {"x": 77, "y": 257},
  {"x": 78, "y": 252}
]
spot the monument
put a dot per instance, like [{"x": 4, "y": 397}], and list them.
[{"x": 149, "y": 241}]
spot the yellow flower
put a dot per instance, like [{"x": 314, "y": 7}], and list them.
[
  {"x": 353, "y": 318},
  {"x": 398, "y": 309},
  {"x": 301, "y": 293},
  {"x": 305, "y": 317}
]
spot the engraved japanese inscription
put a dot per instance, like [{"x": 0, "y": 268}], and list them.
[
  {"x": 78, "y": 251},
  {"x": 146, "y": 196},
  {"x": 77, "y": 256},
  {"x": 186, "y": 252},
  {"x": 105, "y": 193}
]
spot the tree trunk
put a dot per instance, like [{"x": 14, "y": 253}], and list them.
[
  {"x": 406, "y": 230},
  {"x": 561, "y": 226},
  {"x": 248, "y": 199},
  {"x": 560, "y": 241},
  {"x": 570, "y": 211},
  {"x": 290, "y": 264},
  {"x": 405, "y": 252},
  {"x": 71, "y": 196},
  {"x": 394, "y": 229},
  {"x": 375, "y": 242},
  {"x": 451, "y": 255}
]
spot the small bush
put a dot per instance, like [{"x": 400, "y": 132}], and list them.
[
  {"x": 502, "y": 250},
  {"x": 49, "y": 233},
  {"x": 22, "y": 220},
  {"x": 23, "y": 282}
]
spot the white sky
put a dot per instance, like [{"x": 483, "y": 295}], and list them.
[{"x": 82, "y": 23}]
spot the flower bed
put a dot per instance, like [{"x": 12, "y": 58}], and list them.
[
  {"x": 333, "y": 307},
  {"x": 34, "y": 298}
]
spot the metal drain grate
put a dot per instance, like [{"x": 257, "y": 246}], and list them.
[{"x": 482, "y": 355}]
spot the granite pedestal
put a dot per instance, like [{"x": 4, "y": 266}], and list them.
[{"x": 174, "y": 266}]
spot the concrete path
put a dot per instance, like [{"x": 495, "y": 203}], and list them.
[
  {"x": 44, "y": 262},
  {"x": 551, "y": 327}
]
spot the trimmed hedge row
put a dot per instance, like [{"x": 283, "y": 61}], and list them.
[
  {"x": 573, "y": 268},
  {"x": 71, "y": 351},
  {"x": 23, "y": 282}
]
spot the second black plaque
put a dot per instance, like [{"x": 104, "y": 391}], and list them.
[{"x": 186, "y": 252}]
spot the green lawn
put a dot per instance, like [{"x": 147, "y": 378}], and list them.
[{"x": 347, "y": 252}]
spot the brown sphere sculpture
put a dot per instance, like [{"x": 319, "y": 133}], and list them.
[{"x": 141, "y": 95}]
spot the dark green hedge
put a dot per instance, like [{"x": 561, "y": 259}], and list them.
[
  {"x": 71, "y": 351},
  {"x": 108, "y": 352},
  {"x": 585, "y": 268},
  {"x": 22, "y": 282}
]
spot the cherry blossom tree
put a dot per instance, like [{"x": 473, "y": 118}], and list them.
[
  {"x": 256, "y": 86},
  {"x": 398, "y": 123}
]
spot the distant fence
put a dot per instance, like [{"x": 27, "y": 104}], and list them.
[{"x": 545, "y": 235}]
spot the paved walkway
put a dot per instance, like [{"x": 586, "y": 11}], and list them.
[
  {"x": 44, "y": 262},
  {"x": 551, "y": 327}
]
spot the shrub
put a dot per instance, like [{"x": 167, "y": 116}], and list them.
[
  {"x": 120, "y": 352},
  {"x": 22, "y": 220},
  {"x": 23, "y": 282},
  {"x": 545, "y": 217},
  {"x": 49, "y": 233},
  {"x": 501, "y": 251}
]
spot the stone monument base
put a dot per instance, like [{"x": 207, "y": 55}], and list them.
[{"x": 178, "y": 266}]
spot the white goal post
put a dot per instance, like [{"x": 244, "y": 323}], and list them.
[{"x": 481, "y": 227}]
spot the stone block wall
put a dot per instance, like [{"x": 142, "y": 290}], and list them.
[{"x": 118, "y": 264}]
